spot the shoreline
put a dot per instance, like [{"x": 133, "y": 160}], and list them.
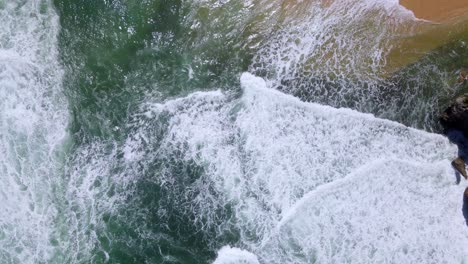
[
  {"x": 437, "y": 25},
  {"x": 435, "y": 11}
]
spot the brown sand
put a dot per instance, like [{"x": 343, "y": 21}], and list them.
[
  {"x": 437, "y": 10},
  {"x": 448, "y": 22}
]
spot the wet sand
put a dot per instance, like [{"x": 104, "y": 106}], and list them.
[
  {"x": 437, "y": 10},
  {"x": 444, "y": 21},
  {"x": 439, "y": 23}
]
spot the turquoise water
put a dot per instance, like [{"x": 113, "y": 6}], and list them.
[{"x": 135, "y": 132}]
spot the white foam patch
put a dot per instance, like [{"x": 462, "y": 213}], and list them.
[
  {"x": 229, "y": 255},
  {"x": 33, "y": 117},
  {"x": 266, "y": 153},
  {"x": 389, "y": 211}
]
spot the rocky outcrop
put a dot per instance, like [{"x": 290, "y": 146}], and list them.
[
  {"x": 459, "y": 165},
  {"x": 456, "y": 115}
]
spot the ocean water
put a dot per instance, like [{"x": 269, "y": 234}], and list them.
[{"x": 232, "y": 131}]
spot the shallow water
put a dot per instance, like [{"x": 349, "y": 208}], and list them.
[{"x": 226, "y": 132}]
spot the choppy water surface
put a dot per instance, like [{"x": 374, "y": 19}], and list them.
[{"x": 225, "y": 132}]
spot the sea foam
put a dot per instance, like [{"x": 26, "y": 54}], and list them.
[
  {"x": 309, "y": 182},
  {"x": 229, "y": 255},
  {"x": 33, "y": 117}
]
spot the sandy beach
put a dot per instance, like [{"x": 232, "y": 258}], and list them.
[
  {"x": 437, "y": 10},
  {"x": 447, "y": 21}
]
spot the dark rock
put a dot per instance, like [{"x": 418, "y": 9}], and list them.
[
  {"x": 459, "y": 165},
  {"x": 465, "y": 195},
  {"x": 456, "y": 115}
]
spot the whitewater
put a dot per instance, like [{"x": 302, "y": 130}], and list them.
[
  {"x": 33, "y": 120},
  {"x": 304, "y": 158},
  {"x": 313, "y": 183}
]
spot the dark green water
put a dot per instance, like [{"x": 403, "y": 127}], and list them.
[
  {"x": 125, "y": 183},
  {"x": 118, "y": 54}
]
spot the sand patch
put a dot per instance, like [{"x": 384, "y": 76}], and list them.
[{"x": 437, "y": 10}]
